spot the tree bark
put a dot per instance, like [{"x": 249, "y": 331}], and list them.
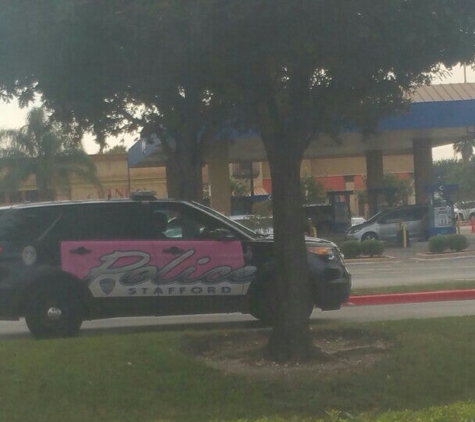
[
  {"x": 186, "y": 161},
  {"x": 173, "y": 178},
  {"x": 184, "y": 174},
  {"x": 290, "y": 337}
]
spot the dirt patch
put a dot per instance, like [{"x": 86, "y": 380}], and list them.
[{"x": 244, "y": 353}]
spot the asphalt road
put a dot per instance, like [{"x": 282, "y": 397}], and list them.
[
  {"x": 396, "y": 272},
  {"x": 406, "y": 266},
  {"x": 18, "y": 330}
]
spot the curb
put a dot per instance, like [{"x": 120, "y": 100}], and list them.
[
  {"x": 470, "y": 252},
  {"x": 398, "y": 298},
  {"x": 365, "y": 259},
  {"x": 421, "y": 256}
]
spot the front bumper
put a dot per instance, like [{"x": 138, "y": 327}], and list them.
[
  {"x": 353, "y": 236},
  {"x": 331, "y": 293}
]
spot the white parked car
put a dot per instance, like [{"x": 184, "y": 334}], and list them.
[
  {"x": 357, "y": 220},
  {"x": 463, "y": 214}
]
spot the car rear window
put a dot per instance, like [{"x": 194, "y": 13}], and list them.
[{"x": 28, "y": 224}]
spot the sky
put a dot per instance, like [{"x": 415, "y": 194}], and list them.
[{"x": 12, "y": 117}]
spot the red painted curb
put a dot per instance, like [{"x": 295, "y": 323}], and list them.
[{"x": 389, "y": 299}]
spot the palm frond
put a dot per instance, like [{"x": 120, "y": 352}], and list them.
[{"x": 41, "y": 148}]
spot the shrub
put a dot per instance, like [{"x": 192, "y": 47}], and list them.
[
  {"x": 372, "y": 247},
  {"x": 351, "y": 249},
  {"x": 438, "y": 244},
  {"x": 457, "y": 242}
]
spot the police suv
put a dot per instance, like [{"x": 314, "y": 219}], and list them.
[{"x": 65, "y": 262}]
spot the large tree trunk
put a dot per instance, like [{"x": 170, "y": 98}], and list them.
[
  {"x": 184, "y": 176},
  {"x": 290, "y": 337},
  {"x": 186, "y": 162}
]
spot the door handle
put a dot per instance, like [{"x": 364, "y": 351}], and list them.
[
  {"x": 173, "y": 250},
  {"x": 80, "y": 251}
]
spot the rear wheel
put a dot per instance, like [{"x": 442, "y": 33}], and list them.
[{"x": 53, "y": 311}]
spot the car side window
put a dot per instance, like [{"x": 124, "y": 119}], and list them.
[
  {"x": 408, "y": 215},
  {"x": 413, "y": 214},
  {"x": 100, "y": 222},
  {"x": 392, "y": 217},
  {"x": 421, "y": 213},
  {"x": 27, "y": 224},
  {"x": 183, "y": 222}
]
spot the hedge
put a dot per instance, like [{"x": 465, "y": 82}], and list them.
[{"x": 351, "y": 249}]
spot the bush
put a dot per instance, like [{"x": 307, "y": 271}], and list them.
[
  {"x": 372, "y": 247},
  {"x": 457, "y": 242},
  {"x": 438, "y": 244},
  {"x": 351, "y": 249}
]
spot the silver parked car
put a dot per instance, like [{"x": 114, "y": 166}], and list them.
[
  {"x": 357, "y": 220},
  {"x": 387, "y": 224}
]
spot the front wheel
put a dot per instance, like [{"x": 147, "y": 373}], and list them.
[
  {"x": 263, "y": 303},
  {"x": 369, "y": 236},
  {"x": 52, "y": 311}
]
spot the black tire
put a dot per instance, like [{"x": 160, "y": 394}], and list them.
[
  {"x": 52, "y": 311},
  {"x": 262, "y": 303},
  {"x": 369, "y": 236}
]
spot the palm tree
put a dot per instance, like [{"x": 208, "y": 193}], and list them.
[
  {"x": 465, "y": 149},
  {"x": 43, "y": 150}
]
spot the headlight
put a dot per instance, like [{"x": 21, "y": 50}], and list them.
[{"x": 323, "y": 252}]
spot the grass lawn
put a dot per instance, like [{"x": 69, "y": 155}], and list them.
[{"x": 149, "y": 377}]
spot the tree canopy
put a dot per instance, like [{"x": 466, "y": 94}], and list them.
[
  {"x": 457, "y": 172},
  {"x": 115, "y": 66},
  {"x": 312, "y": 191},
  {"x": 184, "y": 68},
  {"x": 465, "y": 149}
]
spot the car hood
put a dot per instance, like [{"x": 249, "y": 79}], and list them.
[{"x": 358, "y": 227}]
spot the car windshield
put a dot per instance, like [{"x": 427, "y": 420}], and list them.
[{"x": 378, "y": 216}]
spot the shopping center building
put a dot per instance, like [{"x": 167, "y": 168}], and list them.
[{"x": 438, "y": 115}]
